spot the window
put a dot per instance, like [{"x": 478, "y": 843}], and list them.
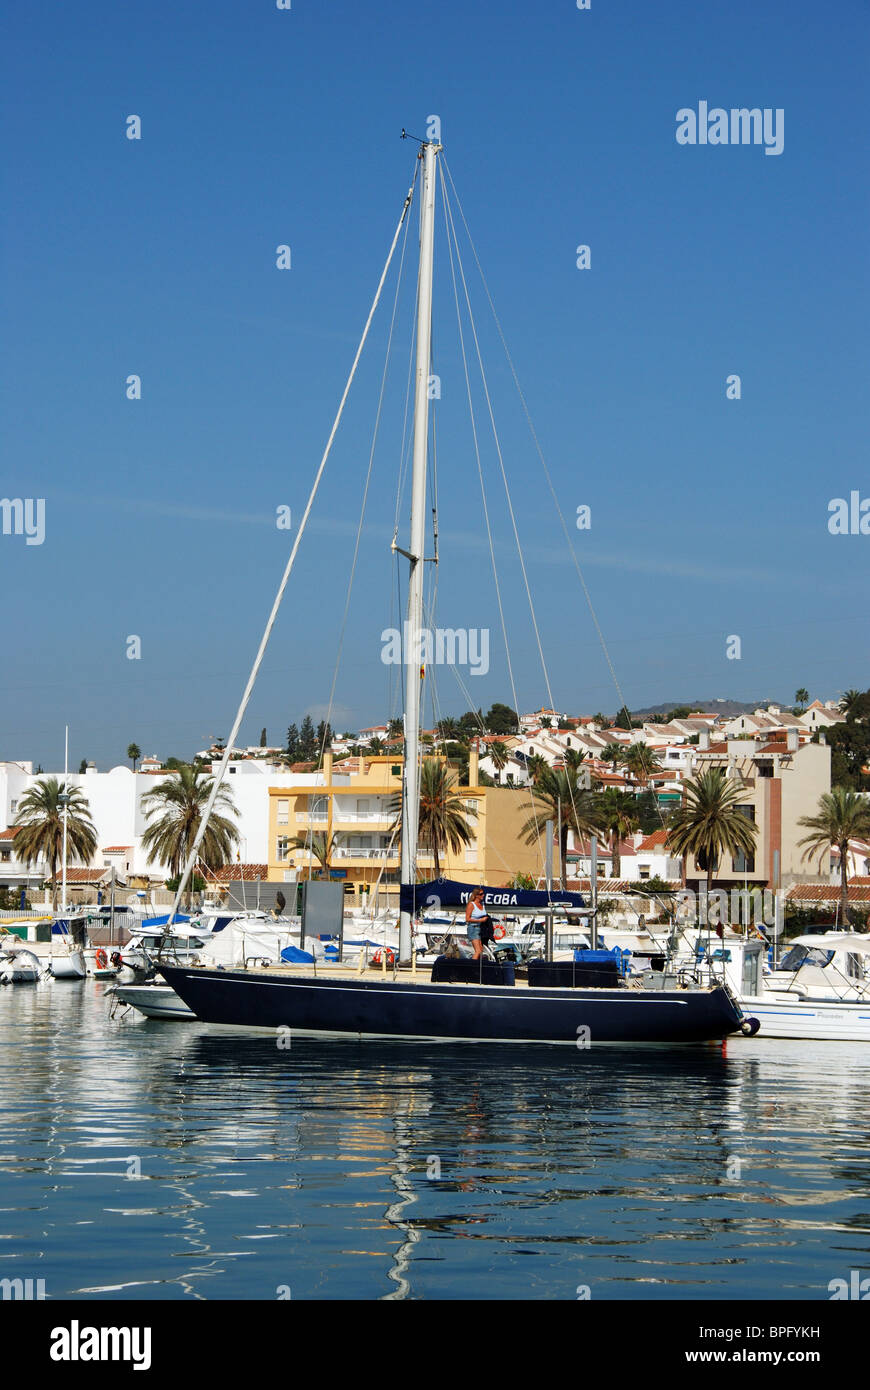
[
  {"x": 644, "y": 871},
  {"x": 765, "y": 769},
  {"x": 5, "y": 855},
  {"x": 283, "y": 848},
  {"x": 471, "y": 807},
  {"x": 13, "y": 807},
  {"x": 283, "y": 811}
]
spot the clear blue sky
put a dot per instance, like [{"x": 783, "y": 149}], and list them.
[{"x": 262, "y": 127}]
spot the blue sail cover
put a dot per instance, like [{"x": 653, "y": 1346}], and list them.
[{"x": 447, "y": 892}]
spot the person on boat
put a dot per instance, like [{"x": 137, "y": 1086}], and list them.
[{"x": 478, "y": 926}]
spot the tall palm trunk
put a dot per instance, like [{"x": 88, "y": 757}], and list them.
[{"x": 615, "y": 857}]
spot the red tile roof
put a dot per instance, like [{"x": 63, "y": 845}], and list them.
[
  {"x": 237, "y": 872},
  {"x": 654, "y": 841},
  {"x": 859, "y": 892},
  {"x": 116, "y": 849},
  {"x": 81, "y": 875},
  {"x": 10, "y": 833},
  {"x": 616, "y": 885}
]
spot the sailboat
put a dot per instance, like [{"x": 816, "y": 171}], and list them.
[{"x": 566, "y": 1003}]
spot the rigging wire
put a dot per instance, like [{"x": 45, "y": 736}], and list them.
[
  {"x": 375, "y": 433},
  {"x": 288, "y": 569},
  {"x": 538, "y": 449},
  {"x": 540, "y": 453},
  {"x": 454, "y": 245}
]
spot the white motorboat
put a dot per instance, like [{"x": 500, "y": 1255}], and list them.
[
  {"x": 18, "y": 966},
  {"x": 67, "y": 958},
  {"x": 820, "y": 991},
  {"x": 154, "y": 999}
]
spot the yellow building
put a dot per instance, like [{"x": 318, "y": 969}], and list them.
[{"x": 355, "y": 810}]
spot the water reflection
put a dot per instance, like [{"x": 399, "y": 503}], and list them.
[{"x": 339, "y": 1170}]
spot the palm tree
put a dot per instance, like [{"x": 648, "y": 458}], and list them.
[
  {"x": 134, "y": 753},
  {"x": 848, "y": 701},
  {"x": 801, "y": 699},
  {"x": 573, "y": 759},
  {"x": 448, "y": 728},
  {"x": 842, "y": 816},
  {"x": 500, "y": 756},
  {"x": 710, "y": 822},
  {"x": 444, "y": 816},
  {"x": 321, "y": 846},
  {"x": 40, "y": 827},
  {"x": 618, "y": 813},
  {"x": 641, "y": 761},
  {"x": 557, "y": 799},
  {"x": 182, "y": 799},
  {"x": 613, "y": 753},
  {"x": 537, "y": 767}
]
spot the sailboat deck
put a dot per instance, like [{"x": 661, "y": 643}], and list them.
[{"x": 403, "y": 974}]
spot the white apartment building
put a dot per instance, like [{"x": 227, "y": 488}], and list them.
[{"x": 115, "y": 802}]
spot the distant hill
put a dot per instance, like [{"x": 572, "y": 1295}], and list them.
[{"x": 729, "y": 707}]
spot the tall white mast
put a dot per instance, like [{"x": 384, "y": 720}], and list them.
[
  {"x": 65, "y": 805},
  {"x": 413, "y": 645}
]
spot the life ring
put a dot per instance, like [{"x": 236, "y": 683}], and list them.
[
  {"x": 377, "y": 957},
  {"x": 499, "y": 932},
  {"x": 101, "y": 960}
]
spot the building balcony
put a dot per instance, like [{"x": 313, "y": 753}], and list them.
[{"x": 348, "y": 852}]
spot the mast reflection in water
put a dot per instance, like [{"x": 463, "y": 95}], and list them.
[{"x": 177, "y": 1161}]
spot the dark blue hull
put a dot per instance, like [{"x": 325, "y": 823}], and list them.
[{"x": 457, "y": 1012}]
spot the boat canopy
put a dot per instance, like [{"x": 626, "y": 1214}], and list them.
[
  {"x": 162, "y": 921},
  {"x": 835, "y": 941},
  {"x": 447, "y": 892}
]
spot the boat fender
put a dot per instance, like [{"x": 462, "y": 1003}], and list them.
[
  {"x": 101, "y": 960},
  {"x": 749, "y": 1027}
]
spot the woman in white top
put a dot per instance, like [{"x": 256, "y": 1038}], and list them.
[{"x": 475, "y": 917}]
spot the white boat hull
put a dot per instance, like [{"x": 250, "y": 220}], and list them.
[
  {"x": 69, "y": 966},
  {"x": 816, "y": 1019},
  {"x": 19, "y": 968},
  {"x": 154, "y": 1001}
]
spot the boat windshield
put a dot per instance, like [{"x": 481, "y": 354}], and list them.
[{"x": 803, "y": 955}]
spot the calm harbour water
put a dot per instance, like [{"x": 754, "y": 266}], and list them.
[{"x": 312, "y": 1172}]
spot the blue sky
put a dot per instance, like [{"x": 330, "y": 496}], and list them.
[{"x": 262, "y": 127}]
